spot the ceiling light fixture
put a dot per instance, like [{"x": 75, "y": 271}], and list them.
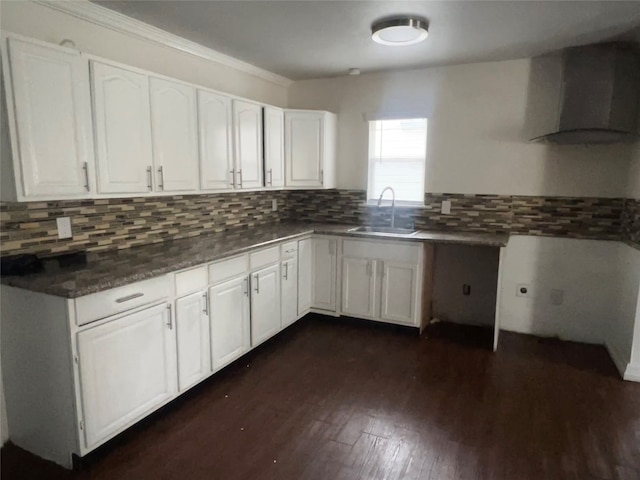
[{"x": 400, "y": 31}]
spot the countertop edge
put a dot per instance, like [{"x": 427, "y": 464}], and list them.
[{"x": 465, "y": 238}]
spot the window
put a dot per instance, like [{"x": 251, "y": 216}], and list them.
[{"x": 397, "y": 155}]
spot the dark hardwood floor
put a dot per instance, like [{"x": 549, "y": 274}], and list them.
[{"x": 336, "y": 399}]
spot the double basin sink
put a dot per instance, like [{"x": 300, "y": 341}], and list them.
[{"x": 399, "y": 232}]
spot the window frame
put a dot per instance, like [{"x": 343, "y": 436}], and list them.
[{"x": 386, "y": 201}]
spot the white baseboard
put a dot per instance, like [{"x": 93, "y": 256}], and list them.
[
  {"x": 618, "y": 358},
  {"x": 632, "y": 373}
]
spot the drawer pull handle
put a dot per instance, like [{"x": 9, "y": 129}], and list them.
[{"x": 129, "y": 297}]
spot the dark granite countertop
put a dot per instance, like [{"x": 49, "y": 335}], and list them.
[{"x": 105, "y": 270}]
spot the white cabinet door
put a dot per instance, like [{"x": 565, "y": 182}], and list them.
[
  {"x": 304, "y": 143},
  {"x": 248, "y": 144},
  {"x": 398, "y": 295},
  {"x": 273, "y": 147},
  {"x": 123, "y": 129},
  {"x": 289, "y": 292},
  {"x": 305, "y": 276},
  {"x": 53, "y": 119},
  {"x": 359, "y": 287},
  {"x": 324, "y": 266},
  {"x": 230, "y": 328},
  {"x": 192, "y": 330},
  {"x": 127, "y": 369},
  {"x": 216, "y": 147},
  {"x": 265, "y": 304},
  {"x": 174, "y": 135}
]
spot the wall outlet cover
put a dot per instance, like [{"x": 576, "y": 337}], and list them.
[
  {"x": 445, "y": 208},
  {"x": 64, "y": 227}
]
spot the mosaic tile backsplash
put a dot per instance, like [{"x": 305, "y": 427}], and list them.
[{"x": 122, "y": 223}]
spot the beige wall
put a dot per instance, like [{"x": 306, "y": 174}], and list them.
[
  {"x": 478, "y": 141},
  {"x": 43, "y": 23}
]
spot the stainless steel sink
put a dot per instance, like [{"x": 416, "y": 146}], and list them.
[{"x": 384, "y": 230}]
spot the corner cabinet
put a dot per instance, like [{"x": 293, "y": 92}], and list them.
[
  {"x": 310, "y": 148},
  {"x": 324, "y": 265},
  {"x": 49, "y": 116}
]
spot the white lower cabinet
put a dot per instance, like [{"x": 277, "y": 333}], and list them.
[
  {"x": 230, "y": 320},
  {"x": 127, "y": 369},
  {"x": 192, "y": 332},
  {"x": 289, "y": 271},
  {"x": 359, "y": 285},
  {"x": 305, "y": 276},
  {"x": 382, "y": 281},
  {"x": 265, "y": 304},
  {"x": 399, "y": 291},
  {"x": 324, "y": 267}
]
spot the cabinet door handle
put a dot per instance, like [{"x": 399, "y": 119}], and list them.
[
  {"x": 161, "y": 172},
  {"x": 149, "y": 178},
  {"x": 240, "y": 181},
  {"x": 129, "y": 297},
  {"x": 286, "y": 270},
  {"x": 85, "y": 168},
  {"x": 257, "y": 277},
  {"x": 322, "y": 176},
  {"x": 369, "y": 268},
  {"x": 170, "y": 321},
  {"x": 232, "y": 180},
  {"x": 271, "y": 177},
  {"x": 205, "y": 309},
  {"x": 246, "y": 286}
]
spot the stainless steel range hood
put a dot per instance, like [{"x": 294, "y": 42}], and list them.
[{"x": 586, "y": 95}]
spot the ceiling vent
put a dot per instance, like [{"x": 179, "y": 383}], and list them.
[{"x": 586, "y": 95}]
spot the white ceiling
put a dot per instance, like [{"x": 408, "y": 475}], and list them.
[{"x": 309, "y": 39}]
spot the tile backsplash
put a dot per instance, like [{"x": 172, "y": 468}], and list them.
[{"x": 122, "y": 223}]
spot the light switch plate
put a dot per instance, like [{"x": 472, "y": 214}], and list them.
[
  {"x": 446, "y": 207},
  {"x": 64, "y": 227}
]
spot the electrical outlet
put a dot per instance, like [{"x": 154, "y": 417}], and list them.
[
  {"x": 445, "y": 207},
  {"x": 64, "y": 227},
  {"x": 274, "y": 205},
  {"x": 524, "y": 290}
]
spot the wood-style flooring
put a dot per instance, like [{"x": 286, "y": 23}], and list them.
[{"x": 336, "y": 399}]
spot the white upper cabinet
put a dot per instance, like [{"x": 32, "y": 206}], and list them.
[
  {"x": 123, "y": 130},
  {"x": 247, "y": 122},
  {"x": 174, "y": 135},
  {"x": 273, "y": 147},
  {"x": 309, "y": 149},
  {"x": 50, "y": 118},
  {"x": 216, "y": 141}
]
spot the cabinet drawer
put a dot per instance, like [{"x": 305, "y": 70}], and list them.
[
  {"x": 191, "y": 281},
  {"x": 264, "y": 257},
  {"x": 289, "y": 249},
  {"x": 104, "y": 304},
  {"x": 401, "y": 251},
  {"x": 229, "y": 268}
]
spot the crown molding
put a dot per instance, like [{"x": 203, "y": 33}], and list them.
[{"x": 104, "y": 17}]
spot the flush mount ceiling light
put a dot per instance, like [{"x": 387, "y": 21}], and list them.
[{"x": 400, "y": 31}]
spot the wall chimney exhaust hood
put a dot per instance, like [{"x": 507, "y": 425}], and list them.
[{"x": 586, "y": 95}]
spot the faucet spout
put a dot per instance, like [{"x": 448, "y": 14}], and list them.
[{"x": 393, "y": 204}]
